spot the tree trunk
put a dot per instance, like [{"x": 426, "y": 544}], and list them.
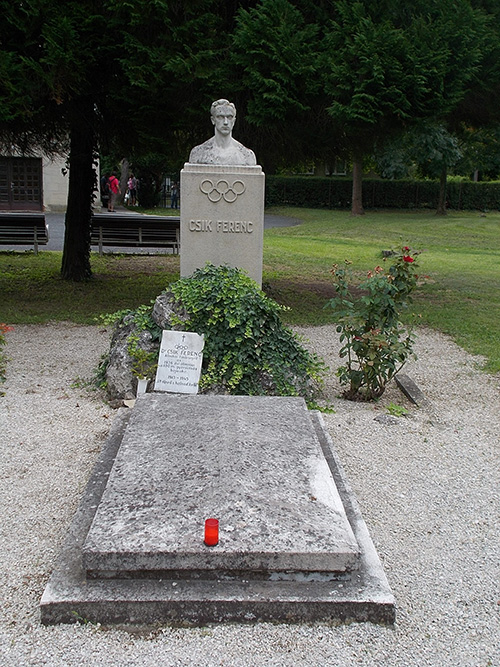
[
  {"x": 357, "y": 186},
  {"x": 82, "y": 180},
  {"x": 124, "y": 172},
  {"x": 441, "y": 207}
]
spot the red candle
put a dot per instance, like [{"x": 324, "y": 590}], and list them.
[{"x": 211, "y": 532}]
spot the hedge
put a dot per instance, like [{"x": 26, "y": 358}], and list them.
[{"x": 312, "y": 192}]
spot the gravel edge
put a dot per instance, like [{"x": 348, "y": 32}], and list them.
[{"x": 428, "y": 485}]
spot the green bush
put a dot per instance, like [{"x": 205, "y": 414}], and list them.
[
  {"x": 248, "y": 350},
  {"x": 336, "y": 193}
]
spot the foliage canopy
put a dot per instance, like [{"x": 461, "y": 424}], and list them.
[{"x": 310, "y": 80}]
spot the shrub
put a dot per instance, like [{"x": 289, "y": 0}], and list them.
[
  {"x": 376, "y": 345},
  {"x": 336, "y": 193},
  {"x": 248, "y": 350}
]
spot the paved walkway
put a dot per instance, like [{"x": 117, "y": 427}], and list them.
[{"x": 56, "y": 233}]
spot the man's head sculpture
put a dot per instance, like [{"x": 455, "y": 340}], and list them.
[
  {"x": 221, "y": 103},
  {"x": 222, "y": 148}
]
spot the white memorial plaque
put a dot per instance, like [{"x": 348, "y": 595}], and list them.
[{"x": 179, "y": 362}]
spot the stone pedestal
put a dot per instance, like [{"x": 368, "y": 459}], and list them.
[{"x": 222, "y": 217}]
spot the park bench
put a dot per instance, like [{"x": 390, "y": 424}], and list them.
[
  {"x": 135, "y": 231},
  {"x": 24, "y": 229}
]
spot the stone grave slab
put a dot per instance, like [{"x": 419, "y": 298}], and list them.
[
  {"x": 255, "y": 463},
  {"x": 106, "y": 574}
]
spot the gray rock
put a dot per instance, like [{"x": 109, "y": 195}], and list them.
[
  {"x": 163, "y": 309},
  {"x": 386, "y": 420},
  {"x": 121, "y": 381}
]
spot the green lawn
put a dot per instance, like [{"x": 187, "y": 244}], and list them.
[
  {"x": 461, "y": 256},
  {"x": 33, "y": 291}
]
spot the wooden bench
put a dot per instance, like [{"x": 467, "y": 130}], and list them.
[
  {"x": 24, "y": 229},
  {"x": 135, "y": 231}
]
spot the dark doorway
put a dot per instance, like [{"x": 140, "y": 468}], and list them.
[{"x": 21, "y": 184}]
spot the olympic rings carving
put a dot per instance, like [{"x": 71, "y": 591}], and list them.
[{"x": 222, "y": 189}]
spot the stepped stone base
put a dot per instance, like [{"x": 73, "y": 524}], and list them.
[{"x": 293, "y": 545}]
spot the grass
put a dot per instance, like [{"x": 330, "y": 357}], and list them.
[
  {"x": 174, "y": 212},
  {"x": 33, "y": 291},
  {"x": 461, "y": 257}
]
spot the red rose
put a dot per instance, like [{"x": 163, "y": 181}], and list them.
[{"x": 407, "y": 258}]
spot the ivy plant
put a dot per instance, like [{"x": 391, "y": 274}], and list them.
[{"x": 248, "y": 349}]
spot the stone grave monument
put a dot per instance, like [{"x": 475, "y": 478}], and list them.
[
  {"x": 222, "y": 201},
  {"x": 292, "y": 544},
  {"x": 179, "y": 362}
]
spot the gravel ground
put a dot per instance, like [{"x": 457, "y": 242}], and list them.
[{"x": 428, "y": 486}]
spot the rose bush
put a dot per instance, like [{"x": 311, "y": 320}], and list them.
[{"x": 376, "y": 344}]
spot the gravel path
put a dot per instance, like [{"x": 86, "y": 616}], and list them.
[{"x": 428, "y": 486}]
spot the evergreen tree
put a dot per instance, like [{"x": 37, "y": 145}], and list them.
[
  {"x": 309, "y": 79},
  {"x": 78, "y": 76},
  {"x": 389, "y": 65}
]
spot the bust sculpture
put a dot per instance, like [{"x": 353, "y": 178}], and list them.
[{"x": 222, "y": 148}]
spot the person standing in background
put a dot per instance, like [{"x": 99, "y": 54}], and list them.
[
  {"x": 105, "y": 190},
  {"x": 132, "y": 190},
  {"x": 114, "y": 188},
  {"x": 174, "y": 196}
]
